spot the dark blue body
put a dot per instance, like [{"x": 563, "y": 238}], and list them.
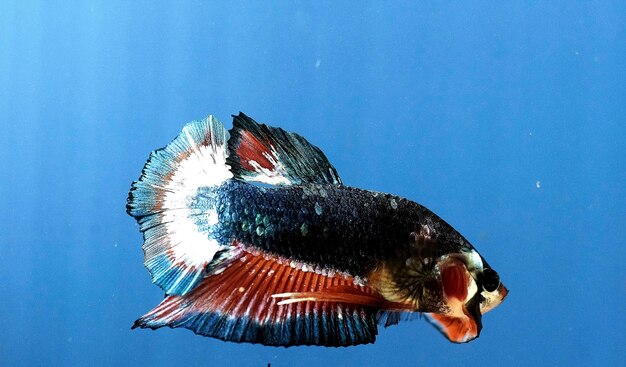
[{"x": 331, "y": 227}]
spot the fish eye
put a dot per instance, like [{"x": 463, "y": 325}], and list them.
[{"x": 491, "y": 280}]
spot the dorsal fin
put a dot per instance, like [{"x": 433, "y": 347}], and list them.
[{"x": 274, "y": 156}]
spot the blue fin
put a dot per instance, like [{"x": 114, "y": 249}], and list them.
[
  {"x": 274, "y": 156},
  {"x": 390, "y": 318},
  {"x": 178, "y": 240}
]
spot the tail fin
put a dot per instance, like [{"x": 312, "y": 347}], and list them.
[{"x": 178, "y": 243}]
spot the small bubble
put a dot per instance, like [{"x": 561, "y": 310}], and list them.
[{"x": 538, "y": 184}]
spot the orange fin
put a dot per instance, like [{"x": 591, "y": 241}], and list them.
[{"x": 248, "y": 302}]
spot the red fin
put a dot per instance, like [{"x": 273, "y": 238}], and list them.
[
  {"x": 274, "y": 156},
  {"x": 457, "y": 329},
  {"x": 237, "y": 305},
  {"x": 250, "y": 149}
]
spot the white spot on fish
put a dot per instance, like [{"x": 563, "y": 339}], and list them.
[
  {"x": 425, "y": 230},
  {"x": 318, "y": 208},
  {"x": 241, "y": 289},
  {"x": 212, "y": 218},
  {"x": 305, "y": 268},
  {"x": 475, "y": 262},
  {"x": 393, "y": 203},
  {"x": 538, "y": 184}
]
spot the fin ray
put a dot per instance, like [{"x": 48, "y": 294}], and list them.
[
  {"x": 176, "y": 250},
  {"x": 236, "y": 305},
  {"x": 274, "y": 156}
]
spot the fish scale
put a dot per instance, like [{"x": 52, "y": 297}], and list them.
[{"x": 345, "y": 236}]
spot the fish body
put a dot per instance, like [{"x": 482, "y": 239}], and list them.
[
  {"x": 254, "y": 238},
  {"x": 336, "y": 227}
]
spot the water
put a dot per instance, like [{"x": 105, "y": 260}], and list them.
[{"x": 506, "y": 120}]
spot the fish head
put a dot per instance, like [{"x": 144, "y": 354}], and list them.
[
  {"x": 445, "y": 278},
  {"x": 470, "y": 288}
]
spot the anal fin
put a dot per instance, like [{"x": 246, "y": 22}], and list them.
[{"x": 237, "y": 305}]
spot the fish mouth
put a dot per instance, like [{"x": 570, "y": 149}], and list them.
[
  {"x": 503, "y": 292},
  {"x": 493, "y": 299}
]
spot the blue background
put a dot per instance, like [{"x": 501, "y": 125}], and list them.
[{"x": 506, "y": 120}]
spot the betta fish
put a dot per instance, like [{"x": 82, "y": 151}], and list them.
[{"x": 254, "y": 238}]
